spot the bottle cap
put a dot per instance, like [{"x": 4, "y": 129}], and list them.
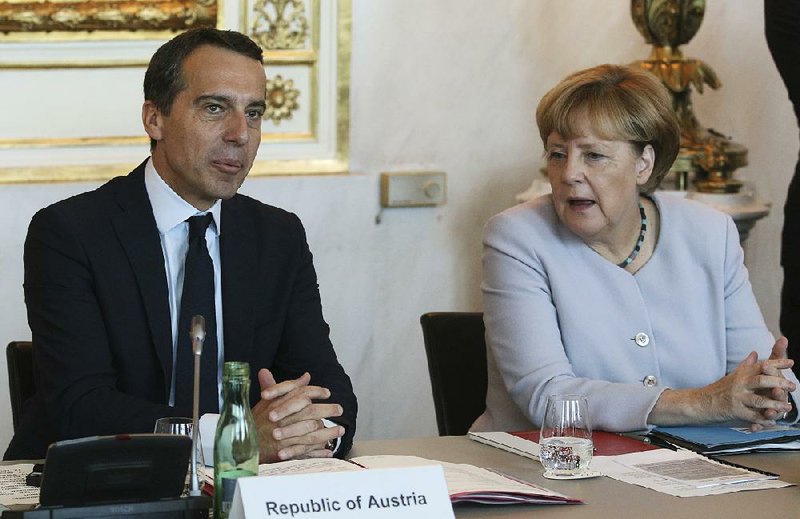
[{"x": 235, "y": 369}]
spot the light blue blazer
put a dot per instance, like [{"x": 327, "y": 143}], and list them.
[{"x": 562, "y": 319}]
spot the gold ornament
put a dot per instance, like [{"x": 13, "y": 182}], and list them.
[
  {"x": 667, "y": 24},
  {"x": 280, "y": 24},
  {"x": 281, "y": 99}
]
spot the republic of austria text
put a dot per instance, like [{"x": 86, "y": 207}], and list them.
[{"x": 314, "y": 506}]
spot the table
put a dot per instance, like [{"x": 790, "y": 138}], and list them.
[{"x": 604, "y": 498}]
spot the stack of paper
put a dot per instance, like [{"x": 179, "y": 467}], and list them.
[
  {"x": 13, "y": 489},
  {"x": 683, "y": 473}
]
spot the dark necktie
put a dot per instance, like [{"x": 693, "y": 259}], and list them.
[{"x": 197, "y": 299}]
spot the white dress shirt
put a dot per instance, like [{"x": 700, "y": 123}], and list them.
[{"x": 171, "y": 212}]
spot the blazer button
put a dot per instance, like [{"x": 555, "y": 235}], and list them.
[
  {"x": 650, "y": 381},
  {"x": 642, "y": 339}
]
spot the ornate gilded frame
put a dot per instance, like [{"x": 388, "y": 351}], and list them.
[
  {"x": 322, "y": 148},
  {"x": 37, "y": 20}
]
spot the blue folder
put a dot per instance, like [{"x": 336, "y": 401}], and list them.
[{"x": 716, "y": 439}]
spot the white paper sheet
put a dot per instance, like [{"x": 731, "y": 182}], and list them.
[
  {"x": 13, "y": 490},
  {"x": 508, "y": 442},
  {"x": 461, "y": 478},
  {"x": 681, "y": 473}
]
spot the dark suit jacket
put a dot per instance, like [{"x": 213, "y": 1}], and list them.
[{"x": 96, "y": 294}]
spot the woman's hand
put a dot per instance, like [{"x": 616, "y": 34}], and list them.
[
  {"x": 755, "y": 392},
  {"x": 779, "y": 352}
]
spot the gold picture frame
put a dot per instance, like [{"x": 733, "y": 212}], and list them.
[{"x": 49, "y": 20}]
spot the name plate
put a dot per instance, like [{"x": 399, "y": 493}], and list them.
[{"x": 415, "y": 492}]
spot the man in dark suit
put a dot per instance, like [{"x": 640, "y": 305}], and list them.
[
  {"x": 782, "y": 28},
  {"x": 104, "y": 274}
]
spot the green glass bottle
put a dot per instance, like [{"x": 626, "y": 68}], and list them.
[{"x": 236, "y": 440}]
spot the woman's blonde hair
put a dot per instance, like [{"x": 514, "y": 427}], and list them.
[{"x": 622, "y": 103}]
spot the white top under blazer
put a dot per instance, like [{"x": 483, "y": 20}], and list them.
[{"x": 562, "y": 319}]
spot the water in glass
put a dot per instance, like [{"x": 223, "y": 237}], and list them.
[{"x": 566, "y": 437}]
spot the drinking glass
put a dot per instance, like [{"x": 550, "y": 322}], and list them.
[
  {"x": 566, "y": 437},
  {"x": 182, "y": 426}
]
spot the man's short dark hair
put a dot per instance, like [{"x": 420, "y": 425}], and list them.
[{"x": 164, "y": 79}]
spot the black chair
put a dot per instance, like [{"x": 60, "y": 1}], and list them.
[
  {"x": 21, "y": 383},
  {"x": 456, "y": 351}
]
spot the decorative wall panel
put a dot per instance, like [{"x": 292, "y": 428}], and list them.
[{"x": 76, "y": 77}]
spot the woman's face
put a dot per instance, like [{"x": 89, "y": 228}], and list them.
[{"x": 596, "y": 184}]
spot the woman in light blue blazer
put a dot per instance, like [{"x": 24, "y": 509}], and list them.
[{"x": 638, "y": 299}]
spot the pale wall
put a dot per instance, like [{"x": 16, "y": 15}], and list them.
[{"x": 452, "y": 85}]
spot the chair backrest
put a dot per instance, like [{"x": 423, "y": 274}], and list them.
[
  {"x": 456, "y": 351},
  {"x": 21, "y": 384}
]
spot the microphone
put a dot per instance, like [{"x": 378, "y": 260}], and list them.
[{"x": 197, "y": 332}]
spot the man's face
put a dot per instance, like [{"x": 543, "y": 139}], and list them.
[{"x": 207, "y": 144}]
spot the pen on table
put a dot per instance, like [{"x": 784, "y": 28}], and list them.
[{"x": 659, "y": 442}]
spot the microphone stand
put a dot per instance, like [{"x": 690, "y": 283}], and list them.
[
  {"x": 198, "y": 335},
  {"x": 195, "y": 506}
]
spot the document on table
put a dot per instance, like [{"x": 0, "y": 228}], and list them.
[
  {"x": 13, "y": 490},
  {"x": 682, "y": 473},
  {"x": 508, "y": 442},
  {"x": 474, "y": 484},
  {"x": 465, "y": 483}
]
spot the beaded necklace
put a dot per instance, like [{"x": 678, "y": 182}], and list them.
[{"x": 632, "y": 256}]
